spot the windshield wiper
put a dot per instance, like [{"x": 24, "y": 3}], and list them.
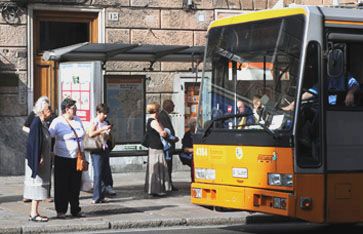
[{"x": 223, "y": 118}]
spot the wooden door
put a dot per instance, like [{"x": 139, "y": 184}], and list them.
[
  {"x": 55, "y": 29},
  {"x": 44, "y": 79}
]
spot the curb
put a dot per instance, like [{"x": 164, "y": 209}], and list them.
[
  {"x": 115, "y": 225},
  {"x": 174, "y": 222},
  {"x": 8, "y": 230},
  {"x": 74, "y": 227}
]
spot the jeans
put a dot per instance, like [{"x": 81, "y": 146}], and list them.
[
  {"x": 107, "y": 179},
  {"x": 102, "y": 176}
]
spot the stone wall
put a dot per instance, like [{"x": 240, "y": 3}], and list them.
[
  {"x": 13, "y": 95},
  {"x": 166, "y": 22}
]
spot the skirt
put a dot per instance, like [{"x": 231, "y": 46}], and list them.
[
  {"x": 37, "y": 188},
  {"x": 157, "y": 176}
]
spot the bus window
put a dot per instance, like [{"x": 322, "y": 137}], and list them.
[
  {"x": 308, "y": 123},
  {"x": 344, "y": 90}
]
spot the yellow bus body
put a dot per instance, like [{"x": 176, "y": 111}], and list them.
[{"x": 336, "y": 197}]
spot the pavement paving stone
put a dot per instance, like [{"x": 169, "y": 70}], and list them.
[{"x": 130, "y": 208}]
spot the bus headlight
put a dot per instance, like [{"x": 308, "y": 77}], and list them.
[
  {"x": 205, "y": 173},
  {"x": 286, "y": 180},
  {"x": 280, "y": 179}
]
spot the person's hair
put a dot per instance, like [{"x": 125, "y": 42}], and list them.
[
  {"x": 40, "y": 105},
  {"x": 192, "y": 123},
  {"x": 102, "y": 108},
  {"x": 240, "y": 103},
  {"x": 67, "y": 103},
  {"x": 41, "y": 100},
  {"x": 168, "y": 104},
  {"x": 256, "y": 97},
  {"x": 153, "y": 107}
]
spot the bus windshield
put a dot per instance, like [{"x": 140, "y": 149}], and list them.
[{"x": 254, "y": 70}]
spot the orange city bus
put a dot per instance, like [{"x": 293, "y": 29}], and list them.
[{"x": 280, "y": 118}]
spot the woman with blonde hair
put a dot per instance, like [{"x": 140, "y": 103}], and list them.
[{"x": 157, "y": 181}]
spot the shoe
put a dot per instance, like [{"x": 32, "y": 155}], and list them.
[
  {"x": 38, "y": 218},
  {"x": 26, "y": 200},
  {"x": 109, "y": 191},
  {"x": 61, "y": 216},
  {"x": 99, "y": 201},
  {"x": 79, "y": 215},
  {"x": 156, "y": 195},
  {"x": 173, "y": 188}
]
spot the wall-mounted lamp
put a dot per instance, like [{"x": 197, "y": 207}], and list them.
[{"x": 189, "y": 5}]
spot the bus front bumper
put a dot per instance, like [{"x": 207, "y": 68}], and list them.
[{"x": 243, "y": 198}]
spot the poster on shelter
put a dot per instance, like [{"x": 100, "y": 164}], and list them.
[
  {"x": 125, "y": 96},
  {"x": 76, "y": 83}
]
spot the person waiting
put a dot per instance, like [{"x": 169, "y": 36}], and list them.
[{"x": 186, "y": 156}]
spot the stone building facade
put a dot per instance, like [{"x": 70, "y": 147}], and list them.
[{"x": 165, "y": 22}]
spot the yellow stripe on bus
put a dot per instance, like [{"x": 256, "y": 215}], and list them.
[{"x": 256, "y": 16}]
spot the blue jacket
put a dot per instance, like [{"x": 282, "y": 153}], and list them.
[{"x": 34, "y": 146}]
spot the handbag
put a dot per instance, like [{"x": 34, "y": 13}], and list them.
[
  {"x": 145, "y": 141},
  {"x": 111, "y": 142},
  {"x": 93, "y": 143},
  {"x": 81, "y": 164}
]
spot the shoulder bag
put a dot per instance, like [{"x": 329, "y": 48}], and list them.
[
  {"x": 93, "y": 143},
  {"x": 82, "y": 164}
]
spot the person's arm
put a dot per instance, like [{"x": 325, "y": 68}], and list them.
[
  {"x": 94, "y": 132},
  {"x": 52, "y": 128},
  {"x": 349, "y": 98},
  {"x": 353, "y": 87},
  {"x": 26, "y": 129},
  {"x": 187, "y": 143},
  {"x": 188, "y": 150},
  {"x": 304, "y": 96},
  {"x": 81, "y": 132},
  {"x": 28, "y": 122},
  {"x": 155, "y": 125}
]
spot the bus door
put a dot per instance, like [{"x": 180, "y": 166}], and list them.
[
  {"x": 308, "y": 160},
  {"x": 344, "y": 128}
]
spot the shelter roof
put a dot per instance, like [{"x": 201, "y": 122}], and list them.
[{"x": 125, "y": 52}]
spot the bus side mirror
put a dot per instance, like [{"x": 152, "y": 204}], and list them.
[{"x": 335, "y": 63}]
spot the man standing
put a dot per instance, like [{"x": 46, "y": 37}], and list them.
[{"x": 164, "y": 119}]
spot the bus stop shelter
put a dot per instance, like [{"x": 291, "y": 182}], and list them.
[{"x": 127, "y": 52}]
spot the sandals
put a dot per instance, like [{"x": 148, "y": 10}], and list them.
[{"x": 38, "y": 218}]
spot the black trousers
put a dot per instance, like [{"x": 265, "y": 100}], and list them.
[
  {"x": 67, "y": 185},
  {"x": 169, "y": 163}
]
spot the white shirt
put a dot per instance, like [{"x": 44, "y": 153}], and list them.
[
  {"x": 99, "y": 124},
  {"x": 65, "y": 139}
]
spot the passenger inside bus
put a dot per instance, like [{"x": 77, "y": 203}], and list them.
[
  {"x": 242, "y": 108},
  {"x": 257, "y": 108},
  {"x": 337, "y": 86},
  {"x": 342, "y": 86}
]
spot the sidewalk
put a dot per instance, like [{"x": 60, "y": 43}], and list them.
[{"x": 130, "y": 208}]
